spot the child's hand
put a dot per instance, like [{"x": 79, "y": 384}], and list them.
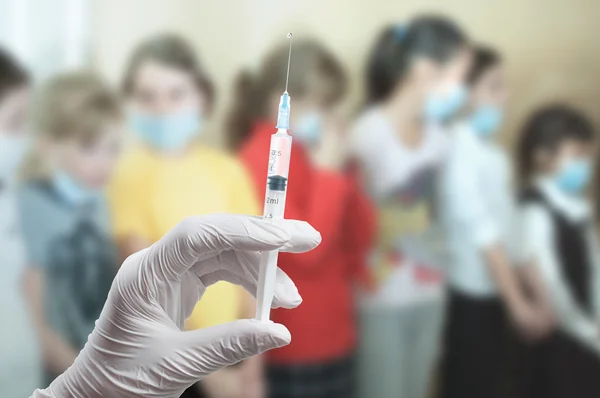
[{"x": 531, "y": 323}]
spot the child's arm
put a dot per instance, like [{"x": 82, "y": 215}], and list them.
[
  {"x": 127, "y": 245},
  {"x": 224, "y": 383},
  {"x": 480, "y": 224},
  {"x": 527, "y": 318},
  {"x": 533, "y": 281},
  {"x": 539, "y": 249},
  {"x": 58, "y": 353}
]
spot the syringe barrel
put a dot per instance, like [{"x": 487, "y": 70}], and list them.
[
  {"x": 277, "y": 176},
  {"x": 279, "y": 154}
]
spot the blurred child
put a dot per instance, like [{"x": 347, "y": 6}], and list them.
[
  {"x": 558, "y": 237},
  {"x": 320, "y": 360},
  {"x": 72, "y": 259},
  {"x": 415, "y": 85},
  {"x": 169, "y": 175},
  {"x": 478, "y": 212},
  {"x": 19, "y": 352}
]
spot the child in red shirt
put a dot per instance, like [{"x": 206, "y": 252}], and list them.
[{"x": 319, "y": 361}]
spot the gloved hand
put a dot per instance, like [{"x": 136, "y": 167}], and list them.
[{"x": 138, "y": 348}]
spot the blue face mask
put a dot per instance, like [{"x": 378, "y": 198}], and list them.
[
  {"x": 309, "y": 128},
  {"x": 71, "y": 191},
  {"x": 486, "y": 120},
  {"x": 167, "y": 132},
  {"x": 574, "y": 176},
  {"x": 442, "y": 105}
]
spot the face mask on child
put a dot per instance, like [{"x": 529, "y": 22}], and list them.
[
  {"x": 72, "y": 191},
  {"x": 574, "y": 176},
  {"x": 309, "y": 128},
  {"x": 441, "y": 105},
  {"x": 486, "y": 120},
  {"x": 167, "y": 132},
  {"x": 12, "y": 151}
]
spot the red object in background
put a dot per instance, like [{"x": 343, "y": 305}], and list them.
[
  {"x": 426, "y": 275},
  {"x": 395, "y": 258},
  {"x": 323, "y": 326}
]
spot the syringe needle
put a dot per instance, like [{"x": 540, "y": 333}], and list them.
[{"x": 289, "y": 36}]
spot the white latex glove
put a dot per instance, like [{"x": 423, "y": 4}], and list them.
[{"x": 138, "y": 348}]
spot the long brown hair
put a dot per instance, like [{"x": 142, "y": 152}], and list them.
[
  {"x": 174, "y": 51},
  {"x": 314, "y": 70}
]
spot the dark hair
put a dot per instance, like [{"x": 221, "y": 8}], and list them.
[
  {"x": 547, "y": 129},
  {"x": 484, "y": 58},
  {"x": 12, "y": 74},
  {"x": 174, "y": 51},
  {"x": 314, "y": 70},
  {"x": 430, "y": 36}
]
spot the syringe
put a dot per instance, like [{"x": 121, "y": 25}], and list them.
[{"x": 277, "y": 178}]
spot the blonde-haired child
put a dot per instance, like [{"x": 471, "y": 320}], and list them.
[{"x": 71, "y": 257}]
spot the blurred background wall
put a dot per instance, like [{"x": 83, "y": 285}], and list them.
[
  {"x": 551, "y": 46},
  {"x": 48, "y": 36}
]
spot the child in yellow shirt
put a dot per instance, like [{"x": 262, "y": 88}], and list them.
[{"x": 168, "y": 176}]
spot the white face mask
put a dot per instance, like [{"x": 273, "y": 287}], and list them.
[{"x": 13, "y": 148}]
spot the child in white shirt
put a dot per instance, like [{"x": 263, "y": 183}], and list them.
[
  {"x": 558, "y": 239},
  {"x": 476, "y": 205}
]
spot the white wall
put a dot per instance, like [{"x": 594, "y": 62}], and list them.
[
  {"x": 551, "y": 46},
  {"x": 47, "y": 36}
]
